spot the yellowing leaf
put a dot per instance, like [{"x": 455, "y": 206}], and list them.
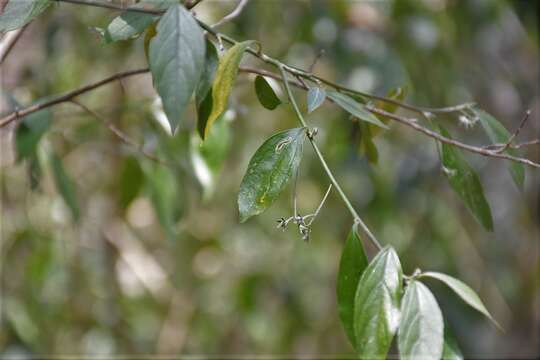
[{"x": 223, "y": 83}]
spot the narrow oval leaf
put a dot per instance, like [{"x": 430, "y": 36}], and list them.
[
  {"x": 465, "y": 182},
  {"x": 498, "y": 134},
  {"x": 354, "y": 108},
  {"x": 463, "y": 291},
  {"x": 18, "y": 13},
  {"x": 30, "y": 131},
  {"x": 315, "y": 98},
  {"x": 351, "y": 266},
  {"x": 268, "y": 172},
  {"x": 224, "y": 81},
  {"x": 176, "y": 57},
  {"x": 376, "y": 310},
  {"x": 127, "y": 26},
  {"x": 421, "y": 327},
  {"x": 65, "y": 186},
  {"x": 266, "y": 95},
  {"x": 211, "y": 61}
]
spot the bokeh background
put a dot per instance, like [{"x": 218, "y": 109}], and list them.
[{"x": 156, "y": 264}]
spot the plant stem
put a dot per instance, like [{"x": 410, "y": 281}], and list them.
[{"x": 323, "y": 162}]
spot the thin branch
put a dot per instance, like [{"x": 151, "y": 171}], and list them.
[
  {"x": 120, "y": 134},
  {"x": 357, "y": 218},
  {"x": 67, "y": 96},
  {"x": 233, "y": 15},
  {"x": 516, "y": 133},
  {"x": 9, "y": 41}
]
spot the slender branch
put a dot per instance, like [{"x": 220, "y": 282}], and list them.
[
  {"x": 120, "y": 134},
  {"x": 344, "y": 197},
  {"x": 9, "y": 41},
  {"x": 233, "y": 15},
  {"x": 67, "y": 96},
  {"x": 516, "y": 133},
  {"x": 479, "y": 150}
]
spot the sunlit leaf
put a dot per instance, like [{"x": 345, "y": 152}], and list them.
[
  {"x": 268, "y": 172},
  {"x": 351, "y": 266},
  {"x": 463, "y": 291},
  {"x": 18, "y": 13},
  {"x": 354, "y": 108},
  {"x": 377, "y": 305},
  {"x": 65, "y": 185},
  {"x": 465, "y": 182},
  {"x": 421, "y": 327},
  {"x": 176, "y": 57},
  {"x": 266, "y": 95},
  {"x": 224, "y": 81},
  {"x": 315, "y": 98},
  {"x": 30, "y": 131},
  {"x": 207, "y": 157},
  {"x": 498, "y": 134}
]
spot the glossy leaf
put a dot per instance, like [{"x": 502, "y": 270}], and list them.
[
  {"x": 224, "y": 81},
  {"x": 351, "y": 266},
  {"x": 176, "y": 57},
  {"x": 18, "y": 13},
  {"x": 268, "y": 172},
  {"x": 421, "y": 327},
  {"x": 65, "y": 186},
  {"x": 208, "y": 157},
  {"x": 463, "y": 291},
  {"x": 315, "y": 98},
  {"x": 377, "y": 305},
  {"x": 30, "y": 131},
  {"x": 465, "y": 182},
  {"x": 266, "y": 95},
  {"x": 498, "y": 134},
  {"x": 354, "y": 108}
]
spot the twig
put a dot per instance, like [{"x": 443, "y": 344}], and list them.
[
  {"x": 9, "y": 41},
  {"x": 516, "y": 133},
  {"x": 344, "y": 197},
  {"x": 319, "y": 55},
  {"x": 120, "y": 134},
  {"x": 234, "y": 14},
  {"x": 316, "y": 213}
]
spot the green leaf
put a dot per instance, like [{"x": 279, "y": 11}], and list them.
[
  {"x": 208, "y": 157},
  {"x": 30, "y": 131},
  {"x": 176, "y": 57},
  {"x": 315, "y": 98},
  {"x": 224, "y": 81},
  {"x": 65, "y": 186},
  {"x": 367, "y": 146},
  {"x": 351, "y": 266},
  {"x": 397, "y": 94},
  {"x": 127, "y": 26},
  {"x": 354, "y": 108},
  {"x": 268, "y": 171},
  {"x": 498, "y": 134},
  {"x": 203, "y": 95},
  {"x": 18, "y": 13},
  {"x": 266, "y": 95},
  {"x": 463, "y": 291},
  {"x": 376, "y": 310},
  {"x": 421, "y": 330},
  {"x": 130, "y": 182},
  {"x": 149, "y": 34},
  {"x": 451, "y": 349},
  {"x": 465, "y": 182}
]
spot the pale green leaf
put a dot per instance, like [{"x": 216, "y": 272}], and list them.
[
  {"x": 354, "y": 108},
  {"x": 315, "y": 98},
  {"x": 127, "y": 26},
  {"x": 266, "y": 95},
  {"x": 465, "y": 182},
  {"x": 498, "y": 134},
  {"x": 224, "y": 81},
  {"x": 421, "y": 327},
  {"x": 268, "y": 172},
  {"x": 176, "y": 57},
  {"x": 65, "y": 185},
  {"x": 377, "y": 305},
  {"x": 463, "y": 291},
  {"x": 18, "y": 13},
  {"x": 351, "y": 266}
]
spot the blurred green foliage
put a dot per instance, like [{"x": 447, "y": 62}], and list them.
[{"x": 151, "y": 268}]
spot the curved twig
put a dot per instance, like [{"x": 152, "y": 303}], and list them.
[{"x": 233, "y": 15}]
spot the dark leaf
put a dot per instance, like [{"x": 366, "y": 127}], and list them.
[
  {"x": 266, "y": 95},
  {"x": 130, "y": 182},
  {"x": 268, "y": 172},
  {"x": 30, "y": 131}
]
